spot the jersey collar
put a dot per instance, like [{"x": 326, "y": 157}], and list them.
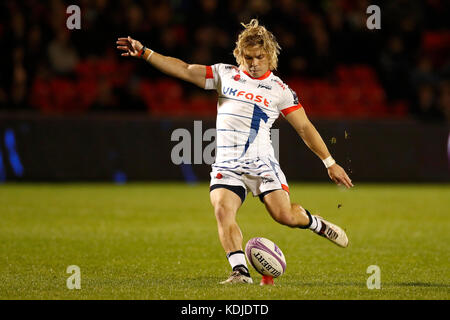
[{"x": 264, "y": 76}]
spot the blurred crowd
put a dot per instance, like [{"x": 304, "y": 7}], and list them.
[{"x": 335, "y": 63}]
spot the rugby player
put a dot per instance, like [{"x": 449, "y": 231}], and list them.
[{"x": 250, "y": 99}]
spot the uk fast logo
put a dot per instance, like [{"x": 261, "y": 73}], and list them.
[{"x": 228, "y": 91}]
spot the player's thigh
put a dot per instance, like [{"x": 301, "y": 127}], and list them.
[
  {"x": 225, "y": 202},
  {"x": 278, "y": 203}
]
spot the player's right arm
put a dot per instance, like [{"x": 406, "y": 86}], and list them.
[
  {"x": 314, "y": 141},
  {"x": 174, "y": 67}
]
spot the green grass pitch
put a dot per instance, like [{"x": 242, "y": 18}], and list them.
[{"x": 159, "y": 241}]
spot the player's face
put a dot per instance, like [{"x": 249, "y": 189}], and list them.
[{"x": 256, "y": 61}]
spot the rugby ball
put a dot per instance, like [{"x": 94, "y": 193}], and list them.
[{"x": 265, "y": 256}]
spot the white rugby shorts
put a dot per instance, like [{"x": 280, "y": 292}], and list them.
[{"x": 257, "y": 175}]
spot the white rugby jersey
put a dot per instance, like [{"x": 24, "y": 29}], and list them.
[{"x": 246, "y": 109}]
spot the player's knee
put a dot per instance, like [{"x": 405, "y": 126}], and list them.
[
  {"x": 223, "y": 213},
  {"x": 285, "y": 217}
]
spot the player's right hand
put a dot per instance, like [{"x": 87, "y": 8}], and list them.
[
  {"x": 339, "y": 176},
  {"x": 130, "y": 46}
]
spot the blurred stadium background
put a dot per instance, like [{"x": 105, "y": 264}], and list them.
[{"x": 72, "y": 109}]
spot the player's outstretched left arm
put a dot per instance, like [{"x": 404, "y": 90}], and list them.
[
  {"x": 174, "y": 67},
  {"x": 314, "y": 141}
]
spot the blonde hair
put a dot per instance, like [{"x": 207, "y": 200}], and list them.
[{"x": 256, "y": 35}]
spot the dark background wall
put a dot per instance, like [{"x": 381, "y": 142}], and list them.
[{"x": 138, "y": 148}]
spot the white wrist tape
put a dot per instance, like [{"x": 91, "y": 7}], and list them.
[
  {"x": 145, "y": 54},
  {"x": 148, "y": 58},
  {"x": 328, "y": 162}
]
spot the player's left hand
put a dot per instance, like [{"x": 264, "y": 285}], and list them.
[
  {"x": 339, "y": 176},
  {"x": 130, "y": 46}
]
